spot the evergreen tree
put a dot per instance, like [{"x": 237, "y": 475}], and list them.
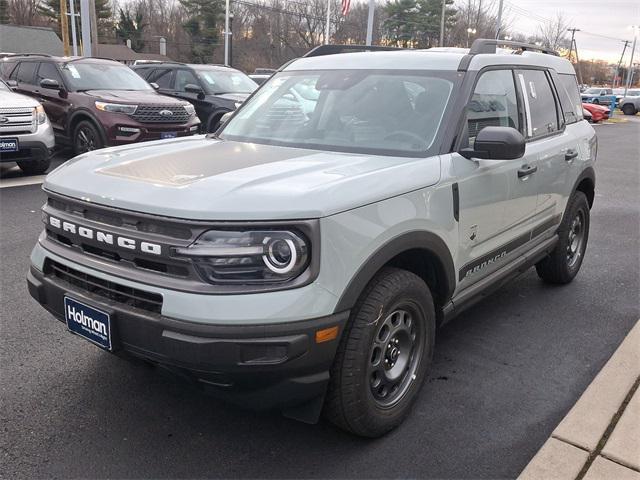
[
  {"x": 131, "y": 28},
  {"x": 416, "y": 23},
  {"x": 204, "y": 16}
]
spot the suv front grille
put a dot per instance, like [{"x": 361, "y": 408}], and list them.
[
  {"x": 159, "y": 114},
  {"x": 17, "y": 120},
  {"x": 132, "y": 297}
]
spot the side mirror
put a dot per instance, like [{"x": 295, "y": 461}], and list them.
[
  {"x": 496, "y": 143},
  {"x": 13, "y": 84},
  {"x": 50, "y": 84},
  {"x": 191, "y": 88},
  {"x": 154, "y": 85}
]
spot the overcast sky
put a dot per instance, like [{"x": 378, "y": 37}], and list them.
[{"x": 604, "y": 23}]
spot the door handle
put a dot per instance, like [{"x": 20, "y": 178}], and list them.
[
  {"x": 526, "y": 171},
  {"x": 570, "y": 155}
]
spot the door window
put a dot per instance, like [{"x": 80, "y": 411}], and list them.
[
  {"x": 26, "y": 72},
  {"x": 542, "y": 116},
  {"x": 47, "y": 70},
  {"x": 184, "y": 78},
  {"x": 162, "y": 77},
  {"x": 493, "y": 104}
]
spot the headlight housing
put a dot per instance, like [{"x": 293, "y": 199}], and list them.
[
  {"x": 116, "y": 108},
  {"x": 249, "y": 256},
  {"x": 40, "y": 115},
  {"x": 190, "y": 109}
]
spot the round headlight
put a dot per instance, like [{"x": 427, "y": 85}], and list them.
[{"x": 281, "y": 255}]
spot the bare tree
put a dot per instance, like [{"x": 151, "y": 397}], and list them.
[{"x": 553, "y": 34}]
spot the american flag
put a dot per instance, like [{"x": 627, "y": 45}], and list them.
[{"x": 345, "y": 6}]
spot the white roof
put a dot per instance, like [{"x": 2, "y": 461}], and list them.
[{"x": 430, "y": 59}]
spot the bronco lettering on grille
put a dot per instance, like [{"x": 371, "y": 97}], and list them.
[{"x": 105, "y": 237}]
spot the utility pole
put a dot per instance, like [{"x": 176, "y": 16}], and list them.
[
  {"x": 64, "y": 26},
  {"x": 94, "y": 27},
  {"x": 72, "y": 7},
  {"x": 571, "y": 47},
  {"x": 615, "y": 75},
  {"x": 328, "y": 25},
  {"x": 85, "y": 24},
  {"x": 444, "y": 7},
  {"x": 633, "y": 52},
  {"x": 499, "y": 20},
  {"x": 226, "y": 33},
  {"x": 372, "y": 7}
]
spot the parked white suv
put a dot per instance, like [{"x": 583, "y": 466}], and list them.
[
  {"x": 26, "y": 136},
  {"x": 302, "y": 258}
]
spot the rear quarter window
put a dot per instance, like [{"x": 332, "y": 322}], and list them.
[
  {"x": 570, "y": 98},
  {"x": 26, "y": 72},
  {"x": 542, "y": 116}
]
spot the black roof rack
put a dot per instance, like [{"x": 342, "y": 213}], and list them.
[
  {"x": 333, "y": 49},
  {"x": 488, "y": 45}
]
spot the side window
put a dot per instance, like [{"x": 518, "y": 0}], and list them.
[
  {"x": 540, "y": 105},
  {"x": 47, "y": 70},
  {"x": 161, "y": 76},
  {"x": 26, "y": 72},
  {"x": 6, "y": 69},
  {"x": 493, "y": 104},
  {"x": 184, "y": 78},
  {"x": 569, "y": 98}
]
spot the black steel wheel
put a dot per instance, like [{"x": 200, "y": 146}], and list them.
[
  {"x": 563, "y": 263},
  {"x": 86, "y": 138},
  {"x": 383, "y": 356}
]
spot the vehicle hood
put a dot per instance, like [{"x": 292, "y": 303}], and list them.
[
  {"x": 593, "y": 107},
  {"x": 14, "y": 100},
  {"x": 133, "y": 96},
  {"x": 204, "y": 178}
]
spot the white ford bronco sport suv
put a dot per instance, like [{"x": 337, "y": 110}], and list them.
[
  {"x": 26, "y": 135},
  {"x": 302, "y": 258}
]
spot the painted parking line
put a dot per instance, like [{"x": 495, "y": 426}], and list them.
[{"x": 21, "y": 181}]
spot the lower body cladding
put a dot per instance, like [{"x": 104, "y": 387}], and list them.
[
  {"x": 126, "y": 134},
  {"x": 282, "y": 366}
]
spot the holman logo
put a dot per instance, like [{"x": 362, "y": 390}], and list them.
[
  {"x": 95, "y": 326},
  {"x": 105, "y": 237}
]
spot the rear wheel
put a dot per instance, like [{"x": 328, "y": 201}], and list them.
[
  {"x": 34, "y": 167},
  {"x": 383, "y": 356},
  {"x": 563, "y": 264},
  {"x": 629, "y": 109},
  {"x": 86, "y": 137}
]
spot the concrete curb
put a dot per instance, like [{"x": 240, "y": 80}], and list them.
[{"x": 600, "y": 436}]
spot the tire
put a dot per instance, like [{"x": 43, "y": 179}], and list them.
[
  {"x": 34, "y": 167},
  {"x": 395, "y": 311},
  {"x": 629, "y": 109},
  {"x": 214, "y": 123},
  {"x": 563, "y": 264},
  {"x": 86, "y": 137}
]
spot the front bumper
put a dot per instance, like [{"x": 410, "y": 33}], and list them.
[
  {"x": 32, "y": 146},
  {"x": 147, "y": 132},
  {"x": 264, "y": 366}
]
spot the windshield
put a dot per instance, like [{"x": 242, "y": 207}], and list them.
[
  {"x": 368, "y": 111},
  {"x": 102, "y": 76},
  {"x": 216, "y": 82}
]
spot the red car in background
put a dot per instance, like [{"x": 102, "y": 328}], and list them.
[{"x": 598, "y": 112}]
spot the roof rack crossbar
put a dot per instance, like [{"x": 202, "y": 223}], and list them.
[
  {"x": 11, "y": 55},
  {"x": 333, "y": 49},
  {"x": 488, "y": 45}
]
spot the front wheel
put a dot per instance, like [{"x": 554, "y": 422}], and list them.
[
  {"x": 564, "y": 262},
  {"x": 383, "y": 356},
  {"x": 628, "y": 109},
  {"x": 86, "y": 138}
]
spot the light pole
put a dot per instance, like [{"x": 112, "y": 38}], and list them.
[
  {"x": 226, "y": 33},
  {"x": 633, "y": 51},
  {"x": 470, "y": 31}
]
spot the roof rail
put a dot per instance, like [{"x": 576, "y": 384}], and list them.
[
  {"x": 333, "y": 49},
  {"x": 488, "y": 45}
]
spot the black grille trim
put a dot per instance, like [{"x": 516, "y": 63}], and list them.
[
  {"x": 151, "y": 114},
  {"x": 132, "y": 297}
]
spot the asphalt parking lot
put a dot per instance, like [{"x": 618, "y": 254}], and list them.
[{"x": 505, "y": 373}]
